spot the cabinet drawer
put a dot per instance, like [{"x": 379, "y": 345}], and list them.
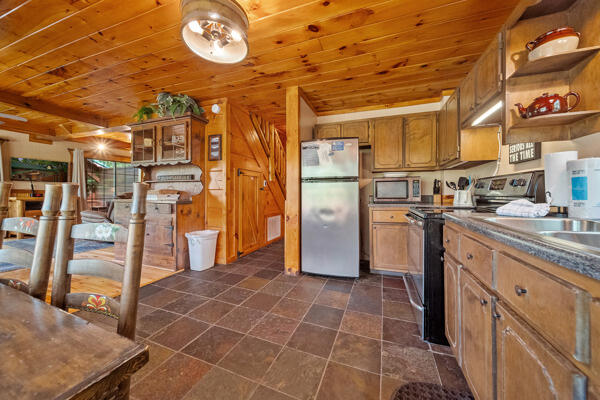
[
  {"x": 451, "y": 239},
  {"x": 477, "y": 258},
  {"x": 390, "y": 215},
  {"x": 158, "y": 208},
  {"x": 550, "y": 305}
]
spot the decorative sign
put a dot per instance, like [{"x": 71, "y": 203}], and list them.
[
  {"x": 214, "y": 147},
  {"x": 521, "y": 152}
]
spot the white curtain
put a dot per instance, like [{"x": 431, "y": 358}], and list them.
[
  {"x": 3, "y": 175},
  {"x": 79, "y": 177}
]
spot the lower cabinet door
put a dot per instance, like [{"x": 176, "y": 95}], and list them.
[
  {"x": 390, "y": 247},
  {"x": 451, "y": 304},
  {"x": 528, "y": 367},
  {"x": 476, "y": 346}
]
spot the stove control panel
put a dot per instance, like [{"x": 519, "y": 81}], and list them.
[{"x": 514, "y": 185}]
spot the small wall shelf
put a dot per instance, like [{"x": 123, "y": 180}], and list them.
[
  {"x": 559, "y": 62},
  {"x": 553, "y": 119}
]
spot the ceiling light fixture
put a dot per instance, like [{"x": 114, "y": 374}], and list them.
[
  {"x": 216, "y": 30},
  {"x": 101, "y": 147},
  {"x": 13, "y": 117}
]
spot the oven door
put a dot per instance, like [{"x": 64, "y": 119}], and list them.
[{"x": 415, "y": 278}]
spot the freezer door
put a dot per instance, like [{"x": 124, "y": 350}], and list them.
[
  {"x": 330, "y": 158},
  {"x": 330, "y": 229}
]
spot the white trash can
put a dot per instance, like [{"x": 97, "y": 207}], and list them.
[{"x": 203, "y": 246}]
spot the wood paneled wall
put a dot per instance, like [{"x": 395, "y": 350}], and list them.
[
  {"x": 292, "y": 200},
  {"x": 233, "y": 123}
]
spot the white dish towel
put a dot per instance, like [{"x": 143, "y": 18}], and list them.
[{"x": 524, "y": 208}]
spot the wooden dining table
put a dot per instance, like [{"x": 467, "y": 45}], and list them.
[{"x": 47, "y": 353}]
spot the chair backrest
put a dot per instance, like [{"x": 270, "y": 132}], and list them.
[
  {"x": 40, "y": 260},
  {"x": 125, "y": 310}
]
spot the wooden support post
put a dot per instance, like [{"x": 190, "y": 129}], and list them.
[{"x": 292, "y": 199}]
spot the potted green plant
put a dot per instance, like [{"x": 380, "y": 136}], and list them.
[{"x": 168, "y": 104}]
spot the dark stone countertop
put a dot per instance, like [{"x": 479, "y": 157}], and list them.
[{"x": 559, "y": 252}]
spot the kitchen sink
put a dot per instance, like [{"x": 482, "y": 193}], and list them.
[
  {"x": 548, "y": 225},
  {"x": 588, "y": 239}
]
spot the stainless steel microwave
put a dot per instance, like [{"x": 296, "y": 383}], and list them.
[{"x": 392, "y": 190}]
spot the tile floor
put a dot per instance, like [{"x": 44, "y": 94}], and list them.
[{"x": 246, "y": 331}]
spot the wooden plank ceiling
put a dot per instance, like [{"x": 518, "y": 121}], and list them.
[{"x": 78, "y": 65}]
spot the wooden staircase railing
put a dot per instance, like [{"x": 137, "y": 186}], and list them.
[{"x": 268, "y": 149}]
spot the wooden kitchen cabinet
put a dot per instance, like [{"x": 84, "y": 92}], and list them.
[
  {"x": 467, "y": 97},
  {"x": 528, "y": 367},
  {"x": 388, "y": 151},
  {"x": 328, "y": 131},
  {"x": 388, "y": 237},
  {"x": 359, "y": 129},
  {"x": 420, "y": 141},
  {"x": 389, "y": 247},
  {"x": 488, "y": 78},
  {"x": 451, "y": 311},
  {"x": 449, "y": 134},
  {"x": 476, "y": 345}
]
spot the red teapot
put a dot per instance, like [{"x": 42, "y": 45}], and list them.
[{"x": 548, "y": 104}]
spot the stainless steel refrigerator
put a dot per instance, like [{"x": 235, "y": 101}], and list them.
[{"x": 330, "y": 207}]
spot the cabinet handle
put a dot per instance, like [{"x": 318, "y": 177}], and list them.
[
  {"x": 483, "y": 302},
  {"x": 391, "y": 217},
  {"x": 519, "y": 290},
  {"x": 446, "y": 240},
  {"x": 469, "y": 256}
]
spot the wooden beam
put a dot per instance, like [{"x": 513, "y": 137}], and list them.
[
  {"x": 98, "y": 132},
  {"x": 292, "y": 199},
  {"x": 27, "y": 127},
  {"x": 51, "y": 109}
]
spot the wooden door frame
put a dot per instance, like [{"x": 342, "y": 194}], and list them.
[{"x": 238, "y": 207}]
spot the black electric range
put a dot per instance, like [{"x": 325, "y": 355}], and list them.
[{"x": 425, "y": 279}]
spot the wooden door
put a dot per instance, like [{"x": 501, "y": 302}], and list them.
[
  {"x": 420, "y": 141},
  {"x": 328, "y": 131},
  {"x": 467, "y": 97},
  {"x": 450, "y": 134},
  {"x": 389, "y": 247},
  {"x": 388, "y": 144},
  {"x": 359, "y": 129},
  {"x": 488, "y": 82},
  {"x": 528, "y": 367},
  {"x": 476, "y": 336},
  {"x": 451, "y": 304},
  {"x": 248, "y": 213}
]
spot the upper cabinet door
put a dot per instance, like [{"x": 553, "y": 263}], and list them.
[
  {"x": 328, "y": 131},
  {"x": 420, "y": 134},
  {"x": 173, "y": 142},
  {"x": 387, "y": 144},
  {"x": 451, "y": 133},
  {"x": 467, "y": 97},
  {"x": 143, "y": 139},
  {"x": 488, "y": 80},
  {"x": 359, "y": 129}
]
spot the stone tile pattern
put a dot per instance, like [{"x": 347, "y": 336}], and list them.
[{"x": 280, "y": 337}]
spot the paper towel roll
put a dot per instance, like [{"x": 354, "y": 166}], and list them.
[{"x": 556, "y": 176}]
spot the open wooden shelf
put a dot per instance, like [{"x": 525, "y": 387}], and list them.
[
  {"x": 546, "y": 7},
  {"x": 559, "y": 62},
  {"x": 553, "y": 119},
  {"x": 174, "y": 180}
]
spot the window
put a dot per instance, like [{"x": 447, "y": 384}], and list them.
[{"x": 108, "y": 179}]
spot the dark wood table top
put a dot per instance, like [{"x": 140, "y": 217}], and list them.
[{"x": 46, "y": 353}]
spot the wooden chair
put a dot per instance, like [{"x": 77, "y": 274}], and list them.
[
  {"x": 125, "y": 309},
  {"x": 40, "y": 261}
]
